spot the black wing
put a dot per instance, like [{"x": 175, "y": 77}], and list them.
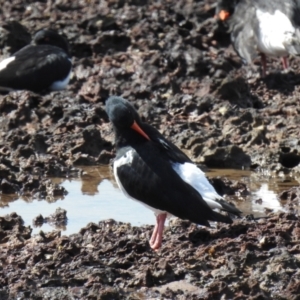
[
  {"x": 169, "y": 149},
  {"x": 36, "y": 68},
  {"x": 150, "y": 179}
]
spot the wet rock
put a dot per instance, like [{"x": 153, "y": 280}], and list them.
[
  {"x": 24, "y": 151},
  {"x": 92, "y": 143},
  {"x": 179, "y": 61},
  {"x": 228, "y": 187},
  {"x": 12, "y": 228},
  {"x": 39, "y": 143},
  {"x": 289, "y": 160},
  {"x": 38, "y": 221},
  {"x": 8, "y": 187},
  {"x": 291, "y": 198},
  {"x": 58, "y": 219},
  {"x": 4, "y": 171},
  {"x": 175, "y": 64},
  {"x": 91, "y": 90},
  {"x": 248, "y": 260},
  {"x": 83, "y": 160},
  {"x": 237, "y": 91},
  {"x": 291, "y": 194},
  {"x": 226, "y": 157}
]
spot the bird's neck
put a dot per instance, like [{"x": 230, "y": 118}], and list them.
[{"x": 128, "y": 138}]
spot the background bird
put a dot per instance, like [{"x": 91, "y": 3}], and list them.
[
  {"x": 268, "y": 27},
  {"x": 44, "y": 65},
  {"x": 152, "y": 170}
]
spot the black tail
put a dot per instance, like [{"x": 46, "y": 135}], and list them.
[
  {"x": 221, "y": 218},
  {"x": 230, "y": 208}
]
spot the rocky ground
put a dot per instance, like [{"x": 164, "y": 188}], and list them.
[
  {"x": 109, "y": 260},
  {"x": 175, "y": 63}
]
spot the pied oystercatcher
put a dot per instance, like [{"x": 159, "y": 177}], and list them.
[
  {"x": 45, "y": 65},
  {"x": 270, "y": 27},
  {"x": 152, "y": 170}
]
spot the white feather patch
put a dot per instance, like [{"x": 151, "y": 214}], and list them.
[
  {"x": 60, "y": 85},
  {"x": 192, "y": 175},
  {"x": 6, "y": 61},
  {"x": 123, "y": 160},
  {"x": 274, "y": 31},
  {"x": 5, "y": 89}
]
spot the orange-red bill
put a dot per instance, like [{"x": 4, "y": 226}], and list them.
[
  {"x": 223, "y": 15},
  {"x": 138, "y": 129}
]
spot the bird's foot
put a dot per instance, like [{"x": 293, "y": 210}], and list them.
[
  {"x": 156, "y": 238},
  {"x": 285, "y": 63},
  {"x": 156, "y": 245}
]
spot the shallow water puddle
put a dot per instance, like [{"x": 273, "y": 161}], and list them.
[{"x": 96, "y": 197}]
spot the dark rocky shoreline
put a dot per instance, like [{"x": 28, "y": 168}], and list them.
[
  {"x": 175, "y": 63},
  {"x": 110, "y": 260}
]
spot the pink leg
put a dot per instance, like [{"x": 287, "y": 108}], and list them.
[
  {"x": 156, "y": 238},
  {"x": 263, "y": 64},
  {"x": 154, "y": 233},
  {"x": 285, "y": 63}
]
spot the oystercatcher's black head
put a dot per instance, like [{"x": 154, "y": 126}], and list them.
[
  {"x": 120, "y": 112},
  {"x": 51, "y": 37},
  {"x": 123, "y": 115},
  {"x": 225, "y": 8}
]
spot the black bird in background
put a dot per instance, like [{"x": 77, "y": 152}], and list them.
[{"x": 44, "y": 65}]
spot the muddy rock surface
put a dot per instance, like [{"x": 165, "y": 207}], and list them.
[
  {"x": 174, "y": 62},
  {"x": 58, "y": 219},
  {"x": 110, "y": 260}
]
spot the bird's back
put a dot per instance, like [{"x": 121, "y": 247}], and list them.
[
  {"x": 150, "y": 178},
  {"x": 35, "y": 68}
]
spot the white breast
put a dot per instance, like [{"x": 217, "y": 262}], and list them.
[
  {"x": 192, "y": 175},
  {"x": 3, "y": 65},
  {"x": 5, "y": 62},
  {"x": 123, "y": 160},
  {"x": 60, "y": 84},
  {"x": 274, "y": 31}
]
